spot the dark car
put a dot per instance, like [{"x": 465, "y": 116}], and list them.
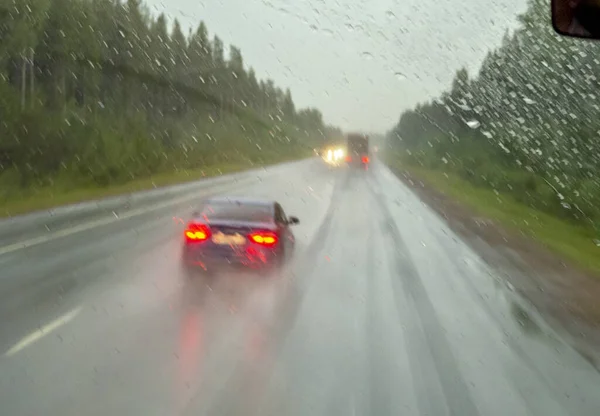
[
  {"x": 243, "y": 232},
  {"x": 357, "y": 155}
]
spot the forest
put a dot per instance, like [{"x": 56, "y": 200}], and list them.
[
  {"x": 527, "y": 124},
  {"x": 100, "y": 92}
]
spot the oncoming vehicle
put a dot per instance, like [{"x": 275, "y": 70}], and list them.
[
  {"x": 357, "y": 155},
  {"x": 333, "y": 155},
  {"x": 250, "y": 233}
]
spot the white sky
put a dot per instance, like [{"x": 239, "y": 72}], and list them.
[{"x": 361, "y": 62}]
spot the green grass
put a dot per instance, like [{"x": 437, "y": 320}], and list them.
[
  {"x": 50, "y": 197},
  {"x": 569, "y": 240}
]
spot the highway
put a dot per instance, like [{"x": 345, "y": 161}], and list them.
[{"x": 382, "y": 311}]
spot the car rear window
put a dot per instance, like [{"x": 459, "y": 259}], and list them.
[{"x": 237, "y": 212}]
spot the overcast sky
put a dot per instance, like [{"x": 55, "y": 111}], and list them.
[{"x": 360, "y": 62}]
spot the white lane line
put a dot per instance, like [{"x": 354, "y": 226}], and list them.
[
  {"x": 103, "y": 221},
  {"x": 42, "y": 332}
]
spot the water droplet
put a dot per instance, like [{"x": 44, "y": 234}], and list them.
[
  {"x": 367, "y": 55},
  {"x": 400, "y": 76},
  {"x": 390, "y": 15},
  {"x": 528, "y": 100},
  {"x": 474, "y": 124}
]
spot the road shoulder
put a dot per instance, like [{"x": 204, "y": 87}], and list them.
[{"x": 563, "y": 293}]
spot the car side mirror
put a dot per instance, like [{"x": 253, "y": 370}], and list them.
[
  {"x": 576, "y": 18},
  {"x": 293, "y": 220}
]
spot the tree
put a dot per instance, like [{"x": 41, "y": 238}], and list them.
[
  {"x": 287, "y": 106},
  {"x": 526, "y": 123},
  {"x": 236, "y": 62},
  {"x": 200, "y": 53},
  {"x": 102, "y": 91},
  {"x": 218, "y": 54}
]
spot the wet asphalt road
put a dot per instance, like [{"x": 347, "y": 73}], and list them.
[{"x": 382, "y": 311}]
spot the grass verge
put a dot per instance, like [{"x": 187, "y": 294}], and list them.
[
  {"x": 569, "y": 240},
  {"x": 51, "y": 197}
]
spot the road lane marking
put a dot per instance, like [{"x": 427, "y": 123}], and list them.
[
  {"x": 103, "y": 221},
  {"x": 42, "y": 332}
]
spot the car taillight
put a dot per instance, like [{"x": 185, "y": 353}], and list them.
[
  {"x": 348, "y": 158},
  {"x": 196, "y": 233},
  {"x": 264, "y": 238},
  {"x": 365, "y": 159}
]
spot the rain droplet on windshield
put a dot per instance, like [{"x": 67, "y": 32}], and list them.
[
  {"x": 400, "y": 76},
  {"x": 367, "y": 55},
  {"x": 474, "y": 124}
]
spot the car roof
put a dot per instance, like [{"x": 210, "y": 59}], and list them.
[{"x": 242, "y": 200}]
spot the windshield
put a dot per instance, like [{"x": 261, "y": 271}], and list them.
[{"x": 431, "y": 241}]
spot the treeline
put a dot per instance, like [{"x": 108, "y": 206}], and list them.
[
  {"x": 100, "y": 91},
  {"x": 527, "y": 124}
]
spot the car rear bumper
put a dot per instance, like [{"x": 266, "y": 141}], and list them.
[{"x": 249, "y": 257}]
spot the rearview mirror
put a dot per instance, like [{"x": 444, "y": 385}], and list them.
[
  {"x": 293, "y": 220},
  {"x": 577, "y": 18}
]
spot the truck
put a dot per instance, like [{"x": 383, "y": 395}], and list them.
[{"x": 357, "y": 152}]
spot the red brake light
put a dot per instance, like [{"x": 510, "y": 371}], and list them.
[
  {"x": 365, "y": 159},
  {"x": 348, "y": 158},
  {"x": 264, "y": 238},
  {"x": 197, "y": 232}
]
